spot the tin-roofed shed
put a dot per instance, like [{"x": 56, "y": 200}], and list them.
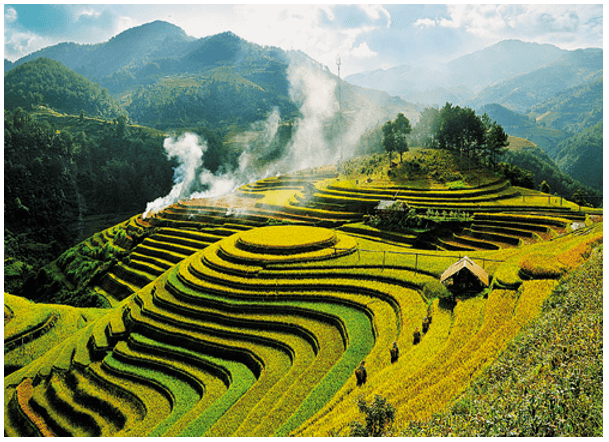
[{"x": 465, "y": 276}]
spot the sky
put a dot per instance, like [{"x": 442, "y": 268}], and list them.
[{"x": 366, "y": 37}]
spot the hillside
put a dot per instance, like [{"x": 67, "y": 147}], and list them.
[
  {"x": 61, "y": 170},
  {"x": 567, "y": 128},
  {"x": 246, "y": 314},
  {"x": 30, "y": 330},
  {"x": 46, "y": 82},
  {"x": 572, "y": 110},
  {"x": 581, "y": 156},
  {"x": 519, "y": 383},
  {"x": 528, "y": 156}
]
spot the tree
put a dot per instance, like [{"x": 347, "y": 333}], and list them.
[
  {"x": 401, "y": 128},
  {"x": 394, "y": 135},
  {"x": 426, "y": 131},
  {"x": 388, "y": 139},
  {"x": 459, "y": 129},
  {"x": 379, "y": 417},
  {"x": 496, "y": 142},
  {"x": 544, "y": 187}
]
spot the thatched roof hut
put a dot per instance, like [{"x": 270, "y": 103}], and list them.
[{"x": 465, "y": 275}]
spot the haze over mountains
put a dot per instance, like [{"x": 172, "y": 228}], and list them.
[
  {"x": 165, "y": 79},
  {"x": 491, "y": 75}
]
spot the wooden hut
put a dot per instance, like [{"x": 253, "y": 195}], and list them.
[{"x": 465, "y": 276}]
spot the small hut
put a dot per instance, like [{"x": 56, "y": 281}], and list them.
[
  {"x": 390, "y": 205},
  {"x": 465, "y": 276}
]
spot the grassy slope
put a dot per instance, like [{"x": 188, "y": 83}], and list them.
[
  {"x": 420, "y": 169},
  {"x": 555, "y": 389}
]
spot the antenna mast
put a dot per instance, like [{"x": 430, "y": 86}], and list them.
[
  {"x": 340, "y": 115},
  {"x": 338, "y": 65}
]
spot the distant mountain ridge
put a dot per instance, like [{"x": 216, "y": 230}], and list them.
[
  {"x": 527, "y": 90},
  {"x": 131, "y": 48},
  {"x": 506, "y": 73}
]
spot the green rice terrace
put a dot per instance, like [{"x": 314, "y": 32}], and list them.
[{"x": 247, "y": 314}]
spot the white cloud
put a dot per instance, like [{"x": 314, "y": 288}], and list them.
[
  {"x": 89, "y": 13},
  {"x": 10, "y": 15},
  {"x": 425, "y": 23},
  {"x": 363, "y": 51},
  {"x": 581, "y": 25},
  {"x": 18, "y": 43},
  {"x": 375, "y": 11}
]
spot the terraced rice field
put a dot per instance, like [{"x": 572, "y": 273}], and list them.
[{"x": 224, "y": 324}]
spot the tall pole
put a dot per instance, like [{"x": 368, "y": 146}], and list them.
[{"x": 340, "y": 115}]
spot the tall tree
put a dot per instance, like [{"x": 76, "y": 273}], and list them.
[
  {"x": 394, "y": 135},
  {"x": 496, "y": 143},
  {"x": 401, "y": 128},
  {"x": 388, "y": 139}
]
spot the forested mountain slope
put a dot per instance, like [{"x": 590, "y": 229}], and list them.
[
  {"x": 166, "y": 79},
  {"x": 46, "y": 82}
]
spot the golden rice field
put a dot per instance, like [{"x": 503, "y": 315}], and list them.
[{"x": 250, "y": 322}]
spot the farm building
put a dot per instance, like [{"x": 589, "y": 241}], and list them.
[{"x": 465, "y": 276}]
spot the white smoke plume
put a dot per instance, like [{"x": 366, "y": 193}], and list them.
[
  {"x": 188, "y": 149},
  {"x": 320, "y": 136},
  {"x": 315, "y": 92}
]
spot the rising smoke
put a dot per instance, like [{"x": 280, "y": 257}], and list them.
[
  {"x": 321, "y": 136},
  {"x": 188, "y": 150}
]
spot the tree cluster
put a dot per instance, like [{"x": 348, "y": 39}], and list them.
[
  {"x": 394, "y": 135},
  {"x": 462, "y": 131}
]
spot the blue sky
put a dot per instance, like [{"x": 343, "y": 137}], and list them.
[{"x": 367, "y": 37}]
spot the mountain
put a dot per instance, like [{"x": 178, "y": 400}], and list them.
[
  {"x": 571, "y": 110},
  {"x": 530, "y": 157},
  {"x": 49, "y": 83},
  {"x": 520, "y": 125},
  {"x": 527, "y": 90},
  {"x": 166, "y": 79},
  {"x": 500, "y": 62},
  {"x": 456, "y": 79},
  {"x": 581, "y": 156},
  {"x": 128, "y": 51},
  {"x": 513, "y": 73},
  {"x": 568, "y": 127}
]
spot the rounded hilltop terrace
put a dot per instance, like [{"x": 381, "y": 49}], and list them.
[{"x": 282, "y": 239}]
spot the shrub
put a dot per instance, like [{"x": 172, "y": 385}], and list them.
[
  {"x": 379, "y": 418},
  {"x": 435, "y": 289}
]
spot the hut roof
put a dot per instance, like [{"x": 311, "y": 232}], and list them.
[
  {"x": 468, "y": 264},
  {"x": 391, "y": 205}
]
